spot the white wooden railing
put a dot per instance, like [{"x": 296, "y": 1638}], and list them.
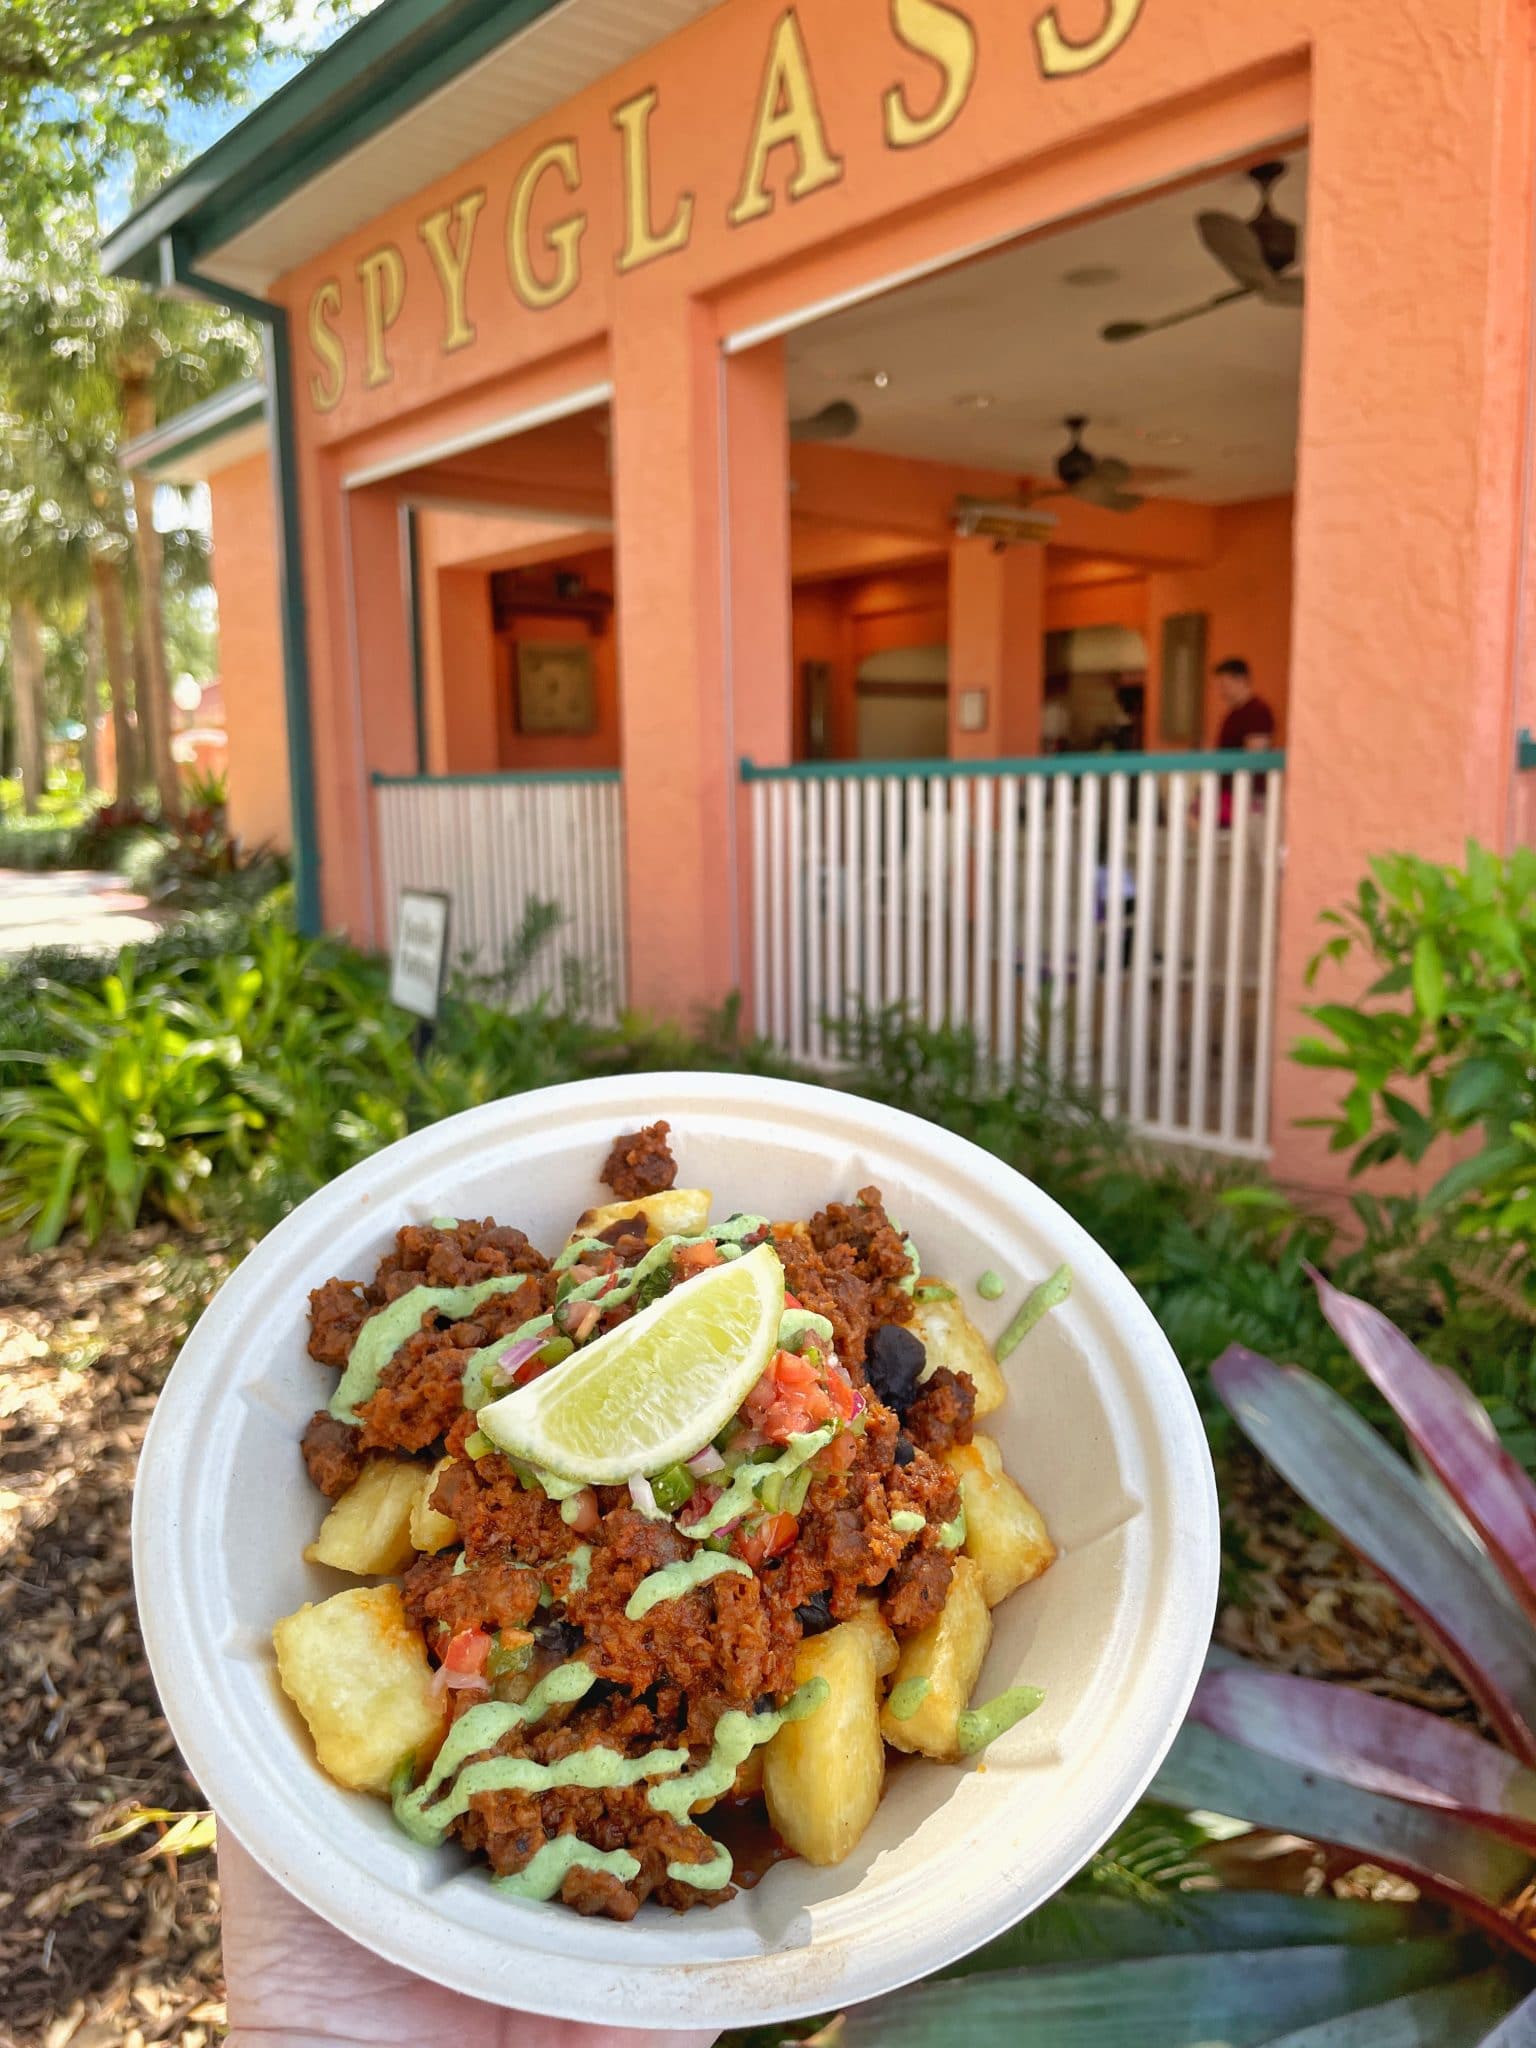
[
  {"x": 495, "y": 844},
  {"x": 1112, "y": 915}
]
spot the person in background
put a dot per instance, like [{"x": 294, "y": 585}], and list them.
[
  {"x": 1249, "y": 724},
  {"x": 1056, "y": 715},
  {"x": 1248, "y": 727}
]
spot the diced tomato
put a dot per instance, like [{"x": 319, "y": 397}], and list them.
[
  {"x": 467, "y": 1652},
  {"x": 578, "y": 1319},
  {"x": 694, "y": 1258},
  {"x": 530, "y": 1369},
  {"x": 839, "y": 1454},
  {"x": 845, "y": 1397},
  {"x": 790, "y": 1398},
  {"x": 792, "y": 1301},
  {"x": 767, "y": 1538}
]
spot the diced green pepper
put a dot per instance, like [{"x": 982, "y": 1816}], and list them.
[
  {"x": 478, "y": 1445},
  {"x": 509, "y": 1653},
  {"x": 556, "y": 1351},
  {"x": 798, "y": 1487},
  {"x": 673, "y": 1488}
]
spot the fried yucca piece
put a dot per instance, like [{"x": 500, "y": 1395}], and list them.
[
  {"x": 952, "y": 1339},
  {"x": 822, "y": 1776},
  {"x": 949, "y": 1653},
  {"x": 368, "y": 1530},
  {"x": 676, "y": 1212},
  {"x": 359, "y": 1674},
  {"x": 1005, "y": 1533}
]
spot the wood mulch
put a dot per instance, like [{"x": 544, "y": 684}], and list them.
[
  {"x": 116, "y": 1946},
  {"x": 100, "y": 1947}
]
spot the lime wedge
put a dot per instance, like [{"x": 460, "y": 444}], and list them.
[{"x": 656, "y": 1389}]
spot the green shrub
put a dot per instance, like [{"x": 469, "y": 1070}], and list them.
[
  {"x": 297, "y": 1065},
  {"x": 1442, "y": 1045},
  {"x": 131, "y": 1117}
]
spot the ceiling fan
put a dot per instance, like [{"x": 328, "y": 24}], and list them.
[
  {"x": 835, "y": 422},
  {"x": 1097, "y": 479},
  {"x": 1257, "y": 254}
]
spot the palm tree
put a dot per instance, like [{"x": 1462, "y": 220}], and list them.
[{"x": 100, "y": 363}]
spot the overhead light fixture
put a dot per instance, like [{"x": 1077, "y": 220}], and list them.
[
  {"x": 1091, "y": 274},
  {"x": 1160, "y": 437},
  {"x": 974, "y": 401},
  {"x": 878, "y": 378}
]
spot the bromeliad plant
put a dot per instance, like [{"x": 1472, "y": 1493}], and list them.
[
  {"x": 1404, "y": 1789},
  {"x": 1383, "y": 1784}
]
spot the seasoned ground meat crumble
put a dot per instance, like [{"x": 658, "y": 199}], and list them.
[{"x": 727, "y": 1644}]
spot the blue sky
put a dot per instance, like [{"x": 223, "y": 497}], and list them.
[{"x": 193, "y": 129}]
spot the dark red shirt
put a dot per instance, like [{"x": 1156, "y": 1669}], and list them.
[{"x": 1251, "y": 720}]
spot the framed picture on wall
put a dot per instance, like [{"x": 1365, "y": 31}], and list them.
[
  {"x": 1182, "y": 715},
  {"x": 817, "y": 679},
  {"x": 554, "y": 687}
]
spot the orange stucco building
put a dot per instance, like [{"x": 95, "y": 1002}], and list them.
[{"x": 637, "y": 370}]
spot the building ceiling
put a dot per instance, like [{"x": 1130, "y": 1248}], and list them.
[{"x": 981, "y": 363}]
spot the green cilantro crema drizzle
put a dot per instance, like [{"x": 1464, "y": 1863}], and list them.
[
  {"x": 908, "y": 1696},
  {"x": 543, "y": 1876},
  {"x": 980, "y": 1725},
  {"x": 382, "y": 1335},
  {"x": 748, "y": 1483},
  {"x": 907, "y": 1521},
  {"x": 736, "y": 1736},
  {"x": 1051, "y": 1293},
  {"x": 580, "y": 1562},
  {"x": 426, "y": 1812},
  {"x": 481, "y": 1729},
  {"x": 674, "y": 1580}
]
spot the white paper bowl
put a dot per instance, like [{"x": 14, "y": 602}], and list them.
[{"x": 1099, "y": 1428}]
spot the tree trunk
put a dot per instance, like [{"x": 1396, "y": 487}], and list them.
[
  {"x": 27, "y": 690},
  {"x": 107, "y": 588},
  {"x": 90, "y": 696},
  {"x": 154, "y": 700}
]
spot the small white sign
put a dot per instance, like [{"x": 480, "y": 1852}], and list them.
[{"x": 421, "y": 952}]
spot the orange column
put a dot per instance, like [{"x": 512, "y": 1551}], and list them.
[
  {"x": 1413, "y": 424},
  {"x": 250, "y": 650},
  {"x": 364, "y": 714},
  {"x": 668, "y": 429},
  {"x": 996, "y": 647},
  {"x": 759, "y": 615}
]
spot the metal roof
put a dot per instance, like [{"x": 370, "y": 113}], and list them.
[
  {"x": 231, "y": 424},
  {"x": 406, "y": 95}
]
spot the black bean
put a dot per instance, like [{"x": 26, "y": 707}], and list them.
[
  {"x": 559, "y": 1637},
  {"x": 906, "y": 1450},
  {"x": 815, "y": 1615},
  {"x": 893, "y": 1359}
]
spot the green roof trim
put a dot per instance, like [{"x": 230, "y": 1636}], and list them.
[
  {"x": 199, "y": 426},
  {"x": 382, "y": 67}
]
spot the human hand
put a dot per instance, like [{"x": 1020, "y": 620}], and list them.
[{"x": 295, "y": 1982}]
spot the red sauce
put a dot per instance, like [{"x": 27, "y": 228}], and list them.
[{"x": 743, "y": 1827}]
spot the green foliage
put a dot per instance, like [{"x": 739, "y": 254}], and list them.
[
  {"x": 85, "y": 84},
  {"x": 1442, "y": 1045},
  {"x": 332, "y": 1072},
  {"x": 127, "y": 1118}
]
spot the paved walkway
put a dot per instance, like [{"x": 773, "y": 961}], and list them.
[{"x": 72, "y": 907}]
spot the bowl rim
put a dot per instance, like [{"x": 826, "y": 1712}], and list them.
[{"x": 777, "y": 1982}]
